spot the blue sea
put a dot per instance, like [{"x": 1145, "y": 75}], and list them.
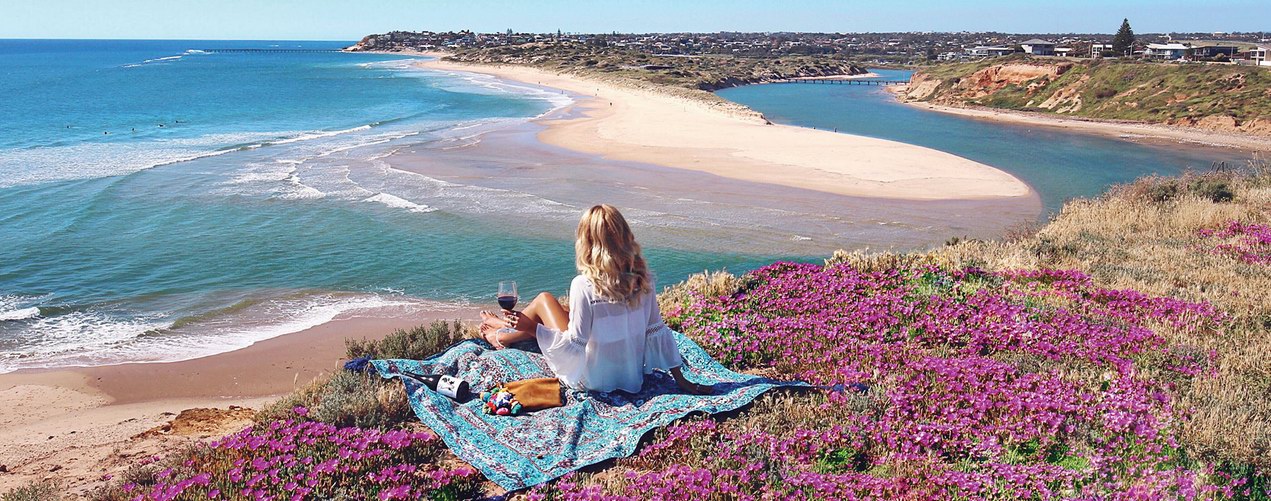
[
  {"x": 162, "y": 201},
  {"x": 1059, "y": 165},
  {"x": 165, "y": 200}
]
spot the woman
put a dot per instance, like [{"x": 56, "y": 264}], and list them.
[{"x": 612, "y": 333}]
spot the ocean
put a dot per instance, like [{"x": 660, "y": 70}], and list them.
[{"x": 160, "y": 201}]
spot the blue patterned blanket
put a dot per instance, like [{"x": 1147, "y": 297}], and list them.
[{"x": 521, "y": 451}]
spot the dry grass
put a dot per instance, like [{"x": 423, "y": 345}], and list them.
[{"x": 705, "y": 284}]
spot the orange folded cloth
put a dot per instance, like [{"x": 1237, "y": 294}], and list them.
[{"x": 536, "y": 394}]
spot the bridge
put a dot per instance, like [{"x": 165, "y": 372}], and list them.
[
  {"x": 843, "y": 81},
  {"x": 268, "y": 51}
]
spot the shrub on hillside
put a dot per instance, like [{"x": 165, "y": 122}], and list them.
[
  {"x": 352, "y": 399},
  {"x": 1214, "y": 190}
]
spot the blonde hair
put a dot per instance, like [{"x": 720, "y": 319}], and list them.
[{"x": 607, "y": 254}]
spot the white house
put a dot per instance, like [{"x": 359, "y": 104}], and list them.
[
  {"x": 1259, "y": 56},
  {"x": 1097, "y": 49},
  {"x": 1038, "y": 47},
  {"x": 1165, "y": 51},
  {"x": 986, "y": 51}
]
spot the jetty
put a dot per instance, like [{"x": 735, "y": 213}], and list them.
[
  {"x": 267, "y": 51},
  {"x": 842, "y": 81}
]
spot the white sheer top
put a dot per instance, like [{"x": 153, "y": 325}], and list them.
[{"x": 608, "y": 346}]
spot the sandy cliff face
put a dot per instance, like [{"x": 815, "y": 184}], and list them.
[
  {"x": 1222, "y": 98},
  {"x": 924, "y": 87}
]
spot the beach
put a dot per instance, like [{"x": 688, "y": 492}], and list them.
[{"x": 634, "y": 124}]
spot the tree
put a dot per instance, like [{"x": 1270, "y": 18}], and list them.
[{"x": 1123, "y": 42}]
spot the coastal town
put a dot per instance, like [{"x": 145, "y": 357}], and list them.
[{"x": 902, "y": 48}]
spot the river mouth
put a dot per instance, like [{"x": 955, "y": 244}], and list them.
[{"x": 1059, "y": 165}]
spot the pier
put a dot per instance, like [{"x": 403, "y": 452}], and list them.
[
  {"x": 843, "y": 81},
  {"x": 267, "y": 51}
]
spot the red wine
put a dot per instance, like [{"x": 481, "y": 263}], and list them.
[
  {"x": 449, "y": 386},
  {"x": 507, "y": 302}
]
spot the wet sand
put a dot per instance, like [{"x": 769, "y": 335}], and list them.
[{"x": 699, "y": 211}]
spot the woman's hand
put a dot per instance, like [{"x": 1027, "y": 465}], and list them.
[
  {"x": 689, "y": 386},
  {"x": 517, "y": 321}
]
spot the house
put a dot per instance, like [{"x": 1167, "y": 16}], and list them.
[
  {"x": 1038, "y": 47},
  {"x": 1063, "y": 51},
  {"x": 1209, "y": 50},
  {"x": 986, "y": 51},
  {"x": 1258, "y": 56},
  {"x": 1165, "y": 51},
  {"x": 1097, "y": 49}
]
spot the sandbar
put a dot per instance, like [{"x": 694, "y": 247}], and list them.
[{"x": 645, "y": 124}]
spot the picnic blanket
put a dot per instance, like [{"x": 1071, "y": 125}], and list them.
[{"x": 521, "y": 451}]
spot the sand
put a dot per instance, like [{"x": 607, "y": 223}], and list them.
[
  {"x": 81, "y": 426},
  {"x": 1123, "y": 130},
  {"x": 625, "y": 123}
]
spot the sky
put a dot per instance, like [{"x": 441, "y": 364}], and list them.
[{"x": 350, "y": 20}]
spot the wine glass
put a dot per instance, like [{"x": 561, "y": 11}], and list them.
[{"x": 507, "y": 295}]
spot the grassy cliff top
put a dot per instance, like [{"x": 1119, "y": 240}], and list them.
[{"x": 1219, "y": 95}]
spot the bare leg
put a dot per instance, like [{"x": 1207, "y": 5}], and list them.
[{"x": 546, "y": 310}]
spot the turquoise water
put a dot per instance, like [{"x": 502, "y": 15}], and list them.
[
  {"x": 1059, "y": 165},
  {"x": 160, "y": 202}
]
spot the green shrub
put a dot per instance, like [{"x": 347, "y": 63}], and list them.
[
  {"x": 38, "y": 491},
  {"x": 420, "y": 342},
  {"x": 348, "y": 399},
  {"x": 363, "y": 400},
  {"x": 1215, "y": 190}
]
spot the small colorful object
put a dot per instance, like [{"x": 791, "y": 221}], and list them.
[{"x": 500, "y": 401}]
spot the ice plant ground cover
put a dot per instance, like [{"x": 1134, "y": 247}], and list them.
[
  {"x": 303, "y": 459},
  {"x": 1247, "y": 242},
  {"x": 983, "y": 385}
]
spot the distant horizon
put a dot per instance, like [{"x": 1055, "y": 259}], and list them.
[
  {"x": 354, "y": 40},
  {"x": 335, "y": 20}
]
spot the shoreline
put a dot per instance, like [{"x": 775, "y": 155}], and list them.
[
  {"x": 1120, "y": 130},
  {"x": 621, "y": 122},
  {"x": 76, "y": 425}
]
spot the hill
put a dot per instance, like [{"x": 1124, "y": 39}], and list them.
[
  {"x": 1218, "y": 97},
  {"x": 1116, "y": 353}
]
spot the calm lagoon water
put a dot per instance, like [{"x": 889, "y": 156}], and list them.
[{"x": 1059, "y": 165}]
